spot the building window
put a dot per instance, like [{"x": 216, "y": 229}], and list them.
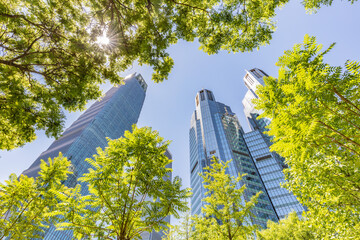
[
  {"x": 255, "y": 73},
  {"x": 247, "y": 85},
  {"x": 202, "y": 96},
  {"x": 251, "y": 81},
  {"x": 263, "y": 158},
  {"x": 192, "y": 170},
  {"x": 141, "y": 82},
  {"x": 263, "y": 72},
  {"x": 209, "y": 93}
]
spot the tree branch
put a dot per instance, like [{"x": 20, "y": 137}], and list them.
[
  {"x": 28, "y": 49},
  {"x": 190, "y": 6},
  {"x": 17, "y": 218},
  {"x": 339, "y": 133},
  {"x": 342, "y": 145},
  {"x": 342, "y": 97}
]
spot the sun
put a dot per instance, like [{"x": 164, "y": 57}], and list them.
[
  {"x": 107, "y": 39},
  {"x": 103, "y": 40}
]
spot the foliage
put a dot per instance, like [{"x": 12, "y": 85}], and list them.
[
  {"x": 333, "y": 223},
  {"x": 47, "y": 61},
  {"x": 27, "y": 203},
  {"x": 314, "y": 5},
  {"x": 145, "y": 29},
  {"x": 315, "y": 125},
  {"x": 225, "y": 215},
  {"x": 50, "y": 58},
  {"x": 290, "y": 227},
  {"x": 182, "y": 231},
  {"x": 129, "y": 190}
]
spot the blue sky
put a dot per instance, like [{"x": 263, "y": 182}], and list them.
[{"x": 168, "y": 106}]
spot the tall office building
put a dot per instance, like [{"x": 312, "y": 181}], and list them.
[
  {"x": 215, "y": 131},
  {"x": 269, "y": 164},
  {"x": 253, "y": 78},
  {"x": 110, "y": 117}
]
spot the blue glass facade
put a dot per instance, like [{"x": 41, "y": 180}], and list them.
[
  {"x": 215, "y": 131},
  {"x": 269, "y": 164},
  {"x": 253, "y": 78},
  {"x": 110, "y": 117},
  {"x": 270, "y": 170}
]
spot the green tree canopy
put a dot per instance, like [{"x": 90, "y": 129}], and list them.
[
  {"x": 315, "y": 112},
  {"x": 314, "y": 5},
  {"x": 181, "y": 231},
  {"x": 27, "y": 204},
  {"x": 225, "y": 214},
  {"x": 50, "y": 58},
  {"x": 288, "y": 228},
  {"x": 129, "y": 190}
]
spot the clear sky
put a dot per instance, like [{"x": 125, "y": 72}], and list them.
[{"x": 168, "y": 106}]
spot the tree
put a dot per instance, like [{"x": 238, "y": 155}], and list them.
[
  {"x": 129, "y": 190},
  {"x": 314, "y": 5},
  {"x": 290, "y": 227},
  {"x": 315, "y": 125},
  {"x": 182, "y": 231},
  {"x": 225, "y": 215},
  {"x": 50, "y": 56},
  {"x": 27, "y": 204},
  {"x": 48, "y": 60}
]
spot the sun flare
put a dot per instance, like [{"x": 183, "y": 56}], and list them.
[{"x": 103, "y": 40}]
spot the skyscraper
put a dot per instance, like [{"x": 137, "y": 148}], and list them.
[
  {"x": 269, "y": 164},
  {"x": 215, "y": 131},
  {"x": 110, "y": 117},
  {"x": 253, "y": 78}
]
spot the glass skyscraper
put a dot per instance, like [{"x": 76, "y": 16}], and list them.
[
  {"x": 253, "y": 78},
  {"x": 269, "y": 164},
  {"x": 110, "y": 117},
  {"x": 215, "y": 131}
]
